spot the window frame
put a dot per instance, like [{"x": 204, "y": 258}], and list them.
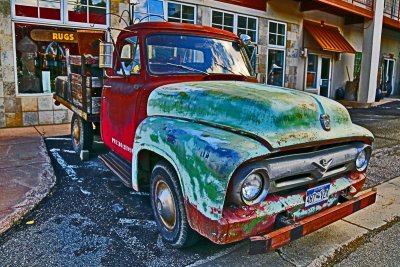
[
  {"x": 285, "y": 39},
  {"x": 223, "y": 16},
  {"x": 283, "y": 67},
  {"x": 277, "y": 47},
  {"x": 118, "y": 62},
  {"x": 152, "y": 14},
  {"x": 182, "y": 4},
  {"x": 235, "y": 21},
  {"x": 64, "y": 20}
]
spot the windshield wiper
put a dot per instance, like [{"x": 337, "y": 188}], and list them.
[
  {"x": 228, "y": 69},
  {"x": 187, "y": 68}
]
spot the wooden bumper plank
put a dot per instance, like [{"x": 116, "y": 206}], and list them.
[{"x": 283, "y": 236}]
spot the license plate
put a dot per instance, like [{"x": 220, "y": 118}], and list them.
[{"x": 317, "y": 195}]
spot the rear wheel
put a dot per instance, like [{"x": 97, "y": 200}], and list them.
[
  {"x": 81, "y": 134},
  {"x": 168, "y": 207}
]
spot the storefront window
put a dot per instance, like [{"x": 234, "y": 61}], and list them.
[
  {"x": 276, "y": 34},
  {"x": 152, "y": 9},
  {"x": 247, "y": 25},
  {"x": 87, "y": 11},
  {"x": 276, "y": 66},
  {"x": 223, "y": 20},
  {"x": 40, "y": 53},
  {"x": 238, "y": 24},
  {"x": 43, "y": 9},
  {"x": 181, "y": 13},
  {"x": 63, "y": 11}
]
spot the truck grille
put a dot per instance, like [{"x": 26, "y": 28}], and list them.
[{"x": 291, "y": 171}]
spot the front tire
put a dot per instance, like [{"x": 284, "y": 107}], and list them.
[
  {"x": 168, "y": 207},
  {"x": 81, "y": 134}
]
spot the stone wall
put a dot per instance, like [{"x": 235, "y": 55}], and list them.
[
  {"x": 293, "y": 48},
  {"x": 18, "y": 110}
]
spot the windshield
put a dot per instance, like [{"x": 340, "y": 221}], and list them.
[{"x": 184, "y": 54}]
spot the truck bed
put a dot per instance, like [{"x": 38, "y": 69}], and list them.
[{"x": 80, "y": 91}]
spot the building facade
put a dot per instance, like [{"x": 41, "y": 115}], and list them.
[{"x": 316, "y": 46}]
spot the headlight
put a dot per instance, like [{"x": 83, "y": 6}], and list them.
[
  {"x": 362, "y": 160},
  {"x": 249, "y": 186},
  {"x": 252, "y": 187}
]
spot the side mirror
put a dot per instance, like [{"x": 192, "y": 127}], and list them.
[
  {"x": 105, "y": 55},
  {"x": 245, "y": 39}
]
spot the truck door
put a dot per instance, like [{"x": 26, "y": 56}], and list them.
[{"x": 120, "y": 98}]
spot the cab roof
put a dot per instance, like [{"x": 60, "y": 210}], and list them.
[{"x": 184, "y": 27}]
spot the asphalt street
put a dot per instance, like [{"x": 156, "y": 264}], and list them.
[
  {"x": 91, "y": 219},
  {"x": 384, "y": 122}
]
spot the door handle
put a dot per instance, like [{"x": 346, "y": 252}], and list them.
[{"x": 105, "y": 87}]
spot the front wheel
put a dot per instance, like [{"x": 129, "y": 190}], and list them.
[
  {"x": 168, "y": 207},
  {"x": 81, "y": 134}
]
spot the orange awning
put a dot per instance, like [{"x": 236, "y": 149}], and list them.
[{"x": 328, "y": 38}]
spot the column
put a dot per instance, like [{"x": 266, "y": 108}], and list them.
[{"x": 371, "y": 55}]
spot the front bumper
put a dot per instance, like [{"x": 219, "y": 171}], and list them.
[
  {"x": 238, "y": 223},
  {"x": 282, "y": 236}
]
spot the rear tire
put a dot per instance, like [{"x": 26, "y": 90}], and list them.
[
  {"x": 81, "y": 134},
  {"x": 168, "y": 207}
]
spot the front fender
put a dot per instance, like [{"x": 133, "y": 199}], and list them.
[{"x": 203, "y": 156}]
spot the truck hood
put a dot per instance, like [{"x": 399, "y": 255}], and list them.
[{"x": 277, "y": 117}]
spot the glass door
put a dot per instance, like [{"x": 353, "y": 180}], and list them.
[
  {"x": 325, "y": 76},
  {"x": 318, "y": 78}
]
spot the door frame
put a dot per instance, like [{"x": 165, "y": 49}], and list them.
[
  {"x": 320, "y": 56},
  {"x": 393, "y": 71}
]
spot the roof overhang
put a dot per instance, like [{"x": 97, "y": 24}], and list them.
[{"x": 328, "y": 37}]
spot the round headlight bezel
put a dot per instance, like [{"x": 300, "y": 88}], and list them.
[
  {"x": 365, "y": 153},
  {"x": 252, "y": 182},
  {"x": 262, "y": 193}
]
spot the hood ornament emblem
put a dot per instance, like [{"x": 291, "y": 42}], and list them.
[
  {"x": 325, "y": 120},
  {"x": 323, "y": 165}
]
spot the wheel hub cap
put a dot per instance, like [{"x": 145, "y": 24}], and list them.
[
  {"x": 165, "y": 204},
  {"x": 76, "y": 132}
]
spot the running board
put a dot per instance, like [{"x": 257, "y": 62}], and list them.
[{"x": 119, "y": 166}]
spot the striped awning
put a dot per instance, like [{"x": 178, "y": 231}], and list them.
[{"x": 328, "y": 37}]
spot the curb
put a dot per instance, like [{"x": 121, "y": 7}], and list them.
[{"x": 35, "y": 195}]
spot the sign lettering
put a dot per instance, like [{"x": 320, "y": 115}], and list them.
[{"x": 57, "y": 36}]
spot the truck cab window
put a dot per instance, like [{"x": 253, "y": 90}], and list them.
[{"x": 130, "y": 57}]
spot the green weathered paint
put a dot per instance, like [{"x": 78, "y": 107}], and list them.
[
  {"x": 247, "y": 228},
  {"x": 282, "y": 117},
  {"x": 204, "y": 157}
]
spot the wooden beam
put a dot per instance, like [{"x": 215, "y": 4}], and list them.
[
  {"x": 339, "y": 5},
  {"x": 391, "y": 22}
]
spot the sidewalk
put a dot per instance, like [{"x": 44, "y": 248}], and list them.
[{"x": 26, "y": 173}]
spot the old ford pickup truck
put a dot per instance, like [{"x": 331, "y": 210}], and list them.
[{"x": 221, "y": 155}]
